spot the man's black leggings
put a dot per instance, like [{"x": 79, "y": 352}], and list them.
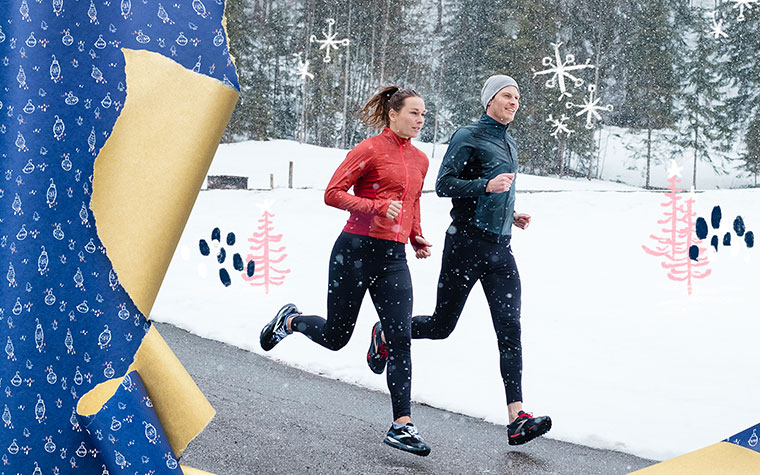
[
  {"x": 467, "y": 258},
  {"x": 357, "y": 264}
]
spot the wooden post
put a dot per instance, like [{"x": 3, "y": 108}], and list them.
[
  {"x": 271, "y": 181},
  {"x": 290, "y": 175}
]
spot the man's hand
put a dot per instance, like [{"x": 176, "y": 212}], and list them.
[
  {"x": 393, "y": 209},
  {"x": 424, "y": 251},
  {"x": 500, "y": 183},
  {"x": 521, "y": 220}
]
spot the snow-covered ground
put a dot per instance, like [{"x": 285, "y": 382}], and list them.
[{"x": 619, "y": 355}]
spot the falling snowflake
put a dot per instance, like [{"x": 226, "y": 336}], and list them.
[
  {"x": 559, "y": 126},
  {"x": 560, "y": 70},
  {"x": 303, "y": 68},
  {"x": 717, "y": 26},
  {"x": 590, "y": 106},
  {"x": 329, "y": 41},
  {"x": 741, "y": 4}
]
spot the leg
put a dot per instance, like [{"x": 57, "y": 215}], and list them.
[
  {"x": 460, "y": 269},
  {"x": 348, "y": 283},
  {"x": 501, "y": 284},
  {"x": 391, "y": 293}
]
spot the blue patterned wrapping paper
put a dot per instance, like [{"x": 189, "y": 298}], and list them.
[
  {"x": 749, "y": 438},
  {"x": 128, "y": 434},
  {"x": 66, "y": 324}
]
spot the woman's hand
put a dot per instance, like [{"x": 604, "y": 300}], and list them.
[
  {"x": 393, "y": 209},
  {"x": 424, "y": 251}
]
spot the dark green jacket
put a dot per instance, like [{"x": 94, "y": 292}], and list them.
[{"x": 477, "y": 153}]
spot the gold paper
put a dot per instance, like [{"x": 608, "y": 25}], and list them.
[
  {"x": 720, "y": 458},
  {"x": 183, "y": 410},
  {"x": 146, "y": 180},
  {"x": 149, "y": 172},
  {"x": 192, "y": 471}
]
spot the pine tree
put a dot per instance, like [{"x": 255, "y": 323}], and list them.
[
  {"x": 472, "y": 28},
  {"x": 743, "y": 69},
  {"x": 751, "y": 158},
  {"x": 704, "y": 110},
  {"x": 651, "y": 84}
]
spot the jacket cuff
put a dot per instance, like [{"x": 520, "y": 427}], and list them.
[
  {"x": 413, "y": 241},
  {"x": 381, "y": 207},
  {"x": 485, "y": 185}
]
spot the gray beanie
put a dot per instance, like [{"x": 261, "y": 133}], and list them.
[{"x": 493, "y": 85}]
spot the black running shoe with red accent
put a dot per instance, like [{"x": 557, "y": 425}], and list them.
[
  {"x": 377, "y": 355},
  {"x": 407, "y": 438},
  {"x": 276, "y": 330},
  {"x": 526, "y": 428}
]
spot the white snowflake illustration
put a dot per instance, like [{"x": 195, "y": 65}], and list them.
[
  {"x": 717, "y": 26},
  {"x": 329, "y": 41},
  {"x": 559, "y": 126},
  {"x": 741, "y": 4},
  {"x": 590, "y": 106},
  {"x": 303, "y": 68},
  {"x": 674, "y": 170},
  {"x": 559, "y": 70}
]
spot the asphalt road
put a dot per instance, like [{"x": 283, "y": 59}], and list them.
[{"x": 273, "y": 418}]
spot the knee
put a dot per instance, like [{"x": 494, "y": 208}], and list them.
[
  {"x": 336, "y": 344},
  {"x": 441, "y": 332}
]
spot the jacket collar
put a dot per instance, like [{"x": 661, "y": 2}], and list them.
[
  {"x": 492, "y": 124},
  {"x": 393, "y": 137}
]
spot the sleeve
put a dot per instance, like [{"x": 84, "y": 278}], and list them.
[
  {"x": 448, "y": 183},
  {"x": 357, "y": 162},
  {"x": 416, "y": 220},
  {"x": 416, "y": 228}
]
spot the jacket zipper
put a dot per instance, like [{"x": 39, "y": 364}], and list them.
[{"x": 403, "y": 195}]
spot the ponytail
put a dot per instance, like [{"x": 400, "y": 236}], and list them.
[{"x": 375, "y": 111}]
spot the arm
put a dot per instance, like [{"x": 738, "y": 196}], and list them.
[
  {"x": 353, "y": 167},
  {"x": 448, "y": 183},
  {"x": 420, "y": 245},
  {"x": 416, "y": 228}
]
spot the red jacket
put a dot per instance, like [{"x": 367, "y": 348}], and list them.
[{"x": 382, "y": 168}]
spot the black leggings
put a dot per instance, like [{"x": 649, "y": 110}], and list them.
[
  {"x": 467, "y": 258},
  {"x": 359, "y": 263}
]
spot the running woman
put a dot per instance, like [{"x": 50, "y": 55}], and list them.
[
  {"x": 386, "y": 173},
  {"x": 478, "y": 173}
]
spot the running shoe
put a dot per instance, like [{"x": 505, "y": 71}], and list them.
[
  {"x": 276, "y": 330},
  {"x": 377, "y": 355},
  {"x": 407, "y": 438},
  {"x": 526, "y": 428}
]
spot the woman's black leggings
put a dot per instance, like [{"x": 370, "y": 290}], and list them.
[
  {"x": 467, "y": 258},
  {"x": 357, "y": 264}
]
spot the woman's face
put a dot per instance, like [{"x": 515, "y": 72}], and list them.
[{"x": 408, "y": 122}]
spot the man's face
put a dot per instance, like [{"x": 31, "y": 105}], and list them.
[{"x": 504, "y": 105}]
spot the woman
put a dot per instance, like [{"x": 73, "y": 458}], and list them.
[{"x": 387, "y": 173}]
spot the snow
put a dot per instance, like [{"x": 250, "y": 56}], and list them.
[{"x": 620, "y": 356}]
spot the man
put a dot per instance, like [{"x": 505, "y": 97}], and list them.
[{"x": 478, "y": 173}]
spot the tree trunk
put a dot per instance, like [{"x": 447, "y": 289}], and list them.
[
  {"x": 439, "y": 21},
  {"x": 372, "y": 84},
  {"x": 598, "y": 47},
  {"x": 561, "y": 154},
  {"x": 345, "y": 82},
  {"x": 384, "y": 40},
  {"x": 696, "y": 154},
  {"x": 649, "y": 151}
]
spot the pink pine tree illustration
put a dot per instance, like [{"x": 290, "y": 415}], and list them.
[
  {"x": 678, "y": 245},
  {"x": 266, "y": 255}
]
